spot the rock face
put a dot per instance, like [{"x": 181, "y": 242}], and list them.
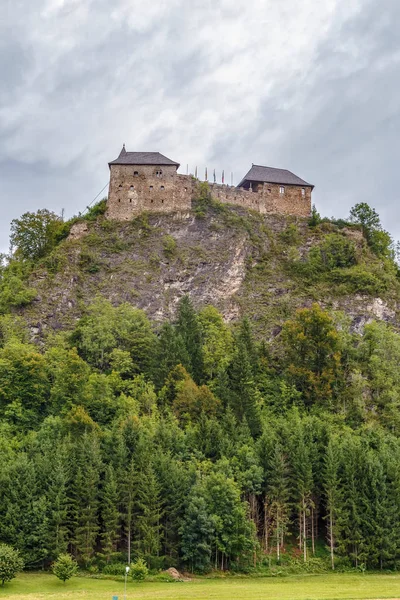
[{"x": 229, "y": 257}]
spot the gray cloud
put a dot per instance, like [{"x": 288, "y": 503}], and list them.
[{"x": 309, "y": 86}]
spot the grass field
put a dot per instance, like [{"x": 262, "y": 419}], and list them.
[{"x": 300, "y": 587}]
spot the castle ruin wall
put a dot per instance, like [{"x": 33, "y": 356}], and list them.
[{"x": 137, "y": 188}]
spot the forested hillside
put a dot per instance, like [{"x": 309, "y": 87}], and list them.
[{"x": 257, "y": 432}]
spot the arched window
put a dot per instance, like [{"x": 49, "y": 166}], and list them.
[
  {"x": 159, "y": 173},
  {"x": 132, "y": 188},
  {"x": 135, "y": 173},
  {"x": 162, "y": 187},
  {"x": 150, "y": 187}
]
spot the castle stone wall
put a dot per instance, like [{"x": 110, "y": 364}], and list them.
[
  {"x": 134, "y": 189},
  {"x": 138, "y": 188}
]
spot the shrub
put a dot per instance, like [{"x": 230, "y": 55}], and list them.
[
  {"x": 290, "y": 235},
  {"x": 114, "y": 569},
  {"x": 169, "y": 245},
  {"x": 139, "y": 570},
  {"x": 65, "y": 567},
  {"x": 10, "y": 563}
]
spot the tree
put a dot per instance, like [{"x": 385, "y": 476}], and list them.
[
  {"x": 110, "y": 514},
  {"x": 65, "y": 567},
  {"x": 196, "y": 530},
  {"x": 139, "y": 570},
  {"x": 378, "y": 239},
  {"x": 312, "y": 348},
  {"x": 217, "y": 341},
  {"x": 35, "y": 234},
  {"x": 188, "y": 326},
  {"x": 333, "y": 494},
  {"x": 10, "y": 563}
]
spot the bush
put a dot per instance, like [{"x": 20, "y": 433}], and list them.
[
  {"x": 114, "y": 569},
  {"x": 65, "y": 567},
  {"x": 139, "y": 570},
  {"x": 169, "y": 245},
  {"x": 10, "y": 563}
]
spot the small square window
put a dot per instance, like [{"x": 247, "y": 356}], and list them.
[{"x": 281, "y": 189}]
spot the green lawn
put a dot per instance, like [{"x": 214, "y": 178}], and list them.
[{"x": 299, "y": 587}]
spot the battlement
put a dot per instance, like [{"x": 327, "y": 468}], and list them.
[{"x": 148, "y": 181}]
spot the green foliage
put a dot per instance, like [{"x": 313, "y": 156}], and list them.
[
  {"x": 315, "y": 218},
  {"x": 96, "y": 211},
  {"x": 379, "y": 240},
  {"x": 169, "y": 246},
  {"x": 139, "y": 570},
  {"x": 65, "y": 567},
  {"x": 14, "y": 290},
  {"x": 10, "y": 563},
  {"x": 35, "y": 234}
]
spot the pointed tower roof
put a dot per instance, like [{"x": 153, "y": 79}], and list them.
[{"x": 142, "y": 158}]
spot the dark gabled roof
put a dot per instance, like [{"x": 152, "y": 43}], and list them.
[
  {"x": 271, "y": 175},
  {"x": 142, "y": 158}
]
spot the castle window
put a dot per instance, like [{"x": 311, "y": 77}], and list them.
[
  {"x": 119, "y": 199},
  {"x": 135, "y": 173},
  {"x": 132, "y": 188},
  {"x": 185, "y": 189},
  {"x": 162, "y": 187},
  {"x": 162, "y": 201},
  {"x": 269, "y": 190},
  {"x": 158, "y": 173},
  {"x": 151, "y": 187},
  {"x": 281, "y": 189},
  {"x": 303, "y": 191},
  {"x": 120, "y": 185},
  {"x": 130, "y": 199}
]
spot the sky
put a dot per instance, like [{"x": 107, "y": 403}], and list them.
[{"x": 311, "y": 86}]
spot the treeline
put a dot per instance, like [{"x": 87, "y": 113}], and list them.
[{"x": 196, "y": 445}]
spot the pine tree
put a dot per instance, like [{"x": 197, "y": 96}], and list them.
[
  {"x": 277, "y": 496},
  {"x": 148, "y": 528},
  {"x": 110, "y": 514},
  {"x": 188, "y": 326},
  {"x": 196, "y": 530},
  {"x": 333, "y": 494},
  {"x": 244, "y": 396}
]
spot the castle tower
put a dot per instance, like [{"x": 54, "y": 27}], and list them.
[{"x": 146, "y": 181}]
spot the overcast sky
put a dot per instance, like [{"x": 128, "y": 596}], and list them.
[{"x": 308, "y": 85}]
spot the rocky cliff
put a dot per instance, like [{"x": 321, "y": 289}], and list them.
[{"x": 241, "y": 262}]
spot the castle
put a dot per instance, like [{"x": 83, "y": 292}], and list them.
[{"x": 148, "y": 181}]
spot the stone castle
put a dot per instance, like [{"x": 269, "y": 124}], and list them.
[{"x": 149, "y": 181}]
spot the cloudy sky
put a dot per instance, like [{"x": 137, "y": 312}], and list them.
[{"x": 308, "y": 85}]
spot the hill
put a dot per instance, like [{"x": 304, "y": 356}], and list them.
[
  {"x": 206, "y": 390},
  {"x": 243, "y": 263}
]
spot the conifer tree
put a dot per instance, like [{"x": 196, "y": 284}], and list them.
[
  {"x": 110, "y": 514},
  {"x": 333, "y": 494},
  {"x": 188, "y": 326}
]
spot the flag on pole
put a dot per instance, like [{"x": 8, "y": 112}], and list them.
[
  {"x": 223, "y": 176},
  {"x": 214, "y": 177},
  {"x": 195, "y": 172},
  {"x": 206, "y": 178}
]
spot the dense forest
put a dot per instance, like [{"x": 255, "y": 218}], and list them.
[{"x": 196, "y": 443}]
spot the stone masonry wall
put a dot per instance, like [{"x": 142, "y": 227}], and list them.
[{"x": 134, "y": 189}]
